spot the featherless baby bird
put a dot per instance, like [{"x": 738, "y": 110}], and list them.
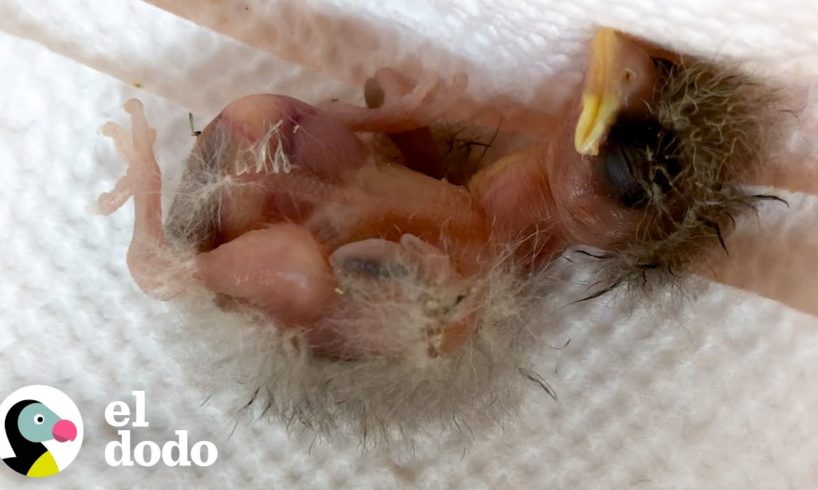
[{"x": 396, "y": 280}]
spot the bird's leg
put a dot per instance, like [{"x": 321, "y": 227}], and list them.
[
  {"x": 280, "y": 268},
  {"x": 155, "y": 268},
  {"x": 397, "y": 104}
]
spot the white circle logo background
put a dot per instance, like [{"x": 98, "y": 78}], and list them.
[{"x": 64, "y": 452}]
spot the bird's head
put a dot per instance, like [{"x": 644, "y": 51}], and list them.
[
  {"x": 661, "y": 146},
  {"x": 37, "y": 423}
]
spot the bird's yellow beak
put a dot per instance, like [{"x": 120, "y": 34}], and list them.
[{"x": 618, "y": 69}]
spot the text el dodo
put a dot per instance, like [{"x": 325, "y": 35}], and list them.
[{"x": 148, "y": 453}]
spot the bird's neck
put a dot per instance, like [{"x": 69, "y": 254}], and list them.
[{"x": 514, "y": 193}]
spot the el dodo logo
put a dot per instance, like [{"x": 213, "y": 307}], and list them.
[
  {"x": 41, "y": 431},
  {"x": 177, "y": 452}
]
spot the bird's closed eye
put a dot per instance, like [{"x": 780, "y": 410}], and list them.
[
  {"x": 636, "y": 160},
  {"x": 616, "y": 167}
]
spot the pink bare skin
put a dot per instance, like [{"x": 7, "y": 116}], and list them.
[{"x": 311, "y": 207}]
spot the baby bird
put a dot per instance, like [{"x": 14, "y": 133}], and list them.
[
  {"x": 355, "y": 253},
  {"x": 288, "y": 210}
]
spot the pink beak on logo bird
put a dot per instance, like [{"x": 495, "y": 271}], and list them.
[{"x": 64, "y": 430}]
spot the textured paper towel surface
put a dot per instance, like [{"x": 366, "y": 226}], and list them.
[{"x": 719, "y": 393}]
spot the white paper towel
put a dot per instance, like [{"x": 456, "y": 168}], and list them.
[{"x": 718, "y": 393}]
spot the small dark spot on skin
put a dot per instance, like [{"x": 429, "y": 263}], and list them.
[
  {"x": 137, "y": 84},
  {"x": 373, "y": 93},
  {"x": 374, "y": 268},
  {"x": 628, "y": 76}
]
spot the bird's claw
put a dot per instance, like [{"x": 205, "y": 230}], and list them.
[{"x": 137, "y": 150}]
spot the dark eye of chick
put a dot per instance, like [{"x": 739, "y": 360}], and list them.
[{"x": 636, "y": 160}]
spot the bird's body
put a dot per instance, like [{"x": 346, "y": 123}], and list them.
[{"x": 287, "y": 209}]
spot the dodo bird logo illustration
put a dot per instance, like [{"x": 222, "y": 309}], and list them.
[{"x": 43, "y": 432}]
